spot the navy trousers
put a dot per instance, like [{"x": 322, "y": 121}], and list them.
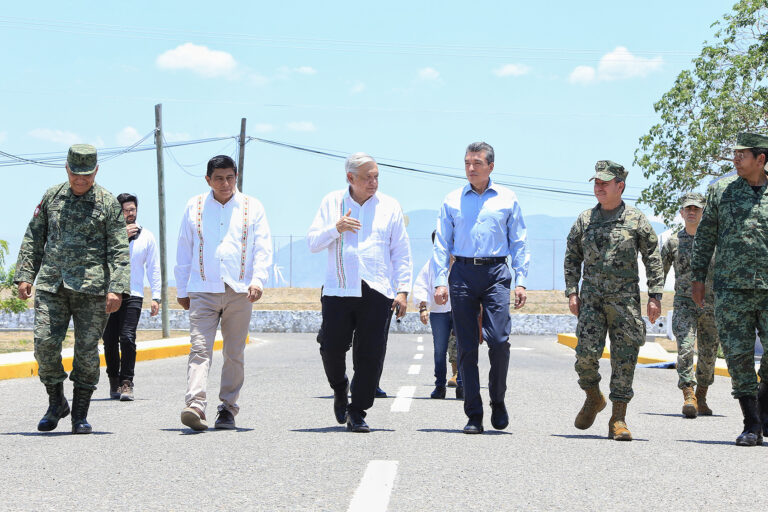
[{"x": 470, "y": 286}]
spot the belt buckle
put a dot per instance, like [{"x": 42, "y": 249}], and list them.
[{"x": 477, "y": 261}]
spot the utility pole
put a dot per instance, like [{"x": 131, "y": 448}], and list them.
[
  {"x": 241, "y": 159},
  {"x": 161, "y": 208}
]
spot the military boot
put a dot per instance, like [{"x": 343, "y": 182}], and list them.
[
  {"x": 81, "y": 400},
  {"x": 690, "y": 406},
  {"x": 617, "y": 426},
  {"x": 752, "y": 434},
  {"x": 594, "y": 403},
  {"x": 762, "y": 404},
  {"x": 58, "y": 408},
  {"x": 452, "y": 381},
  {"x": 701, "y": 401},
  {"x": 114, "y": 388}
]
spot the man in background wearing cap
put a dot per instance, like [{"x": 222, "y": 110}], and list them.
[
  {"x": 734, "y": 222},
  {"x": 77, "y": 248},
  {"x": 607, "y": 239},
  {"x": 691, "y": 323},
  {"x": 480, "y": 225}
]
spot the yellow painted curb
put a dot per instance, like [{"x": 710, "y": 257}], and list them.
[
  {"x": 570, "y": 340},
  {"x": 29, "y": 368}
]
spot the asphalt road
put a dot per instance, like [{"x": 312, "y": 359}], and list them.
[{"x": 289, "y": 454}]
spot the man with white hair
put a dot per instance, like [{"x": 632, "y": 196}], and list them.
[{"x": 368, "y": 250}]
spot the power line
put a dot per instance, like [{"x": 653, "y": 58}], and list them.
[{"x": 431, "y": 173}]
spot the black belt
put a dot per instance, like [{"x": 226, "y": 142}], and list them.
[{"x": 482, "y": 261}]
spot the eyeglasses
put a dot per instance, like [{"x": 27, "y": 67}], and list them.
[{"x": 129, "y": 210}]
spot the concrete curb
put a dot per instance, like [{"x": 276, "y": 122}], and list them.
[
  {"x": 16, "y": 365},
  {"x": 650, "y": 353}
]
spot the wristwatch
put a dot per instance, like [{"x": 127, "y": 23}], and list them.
[{"x": 656, "y": 296}]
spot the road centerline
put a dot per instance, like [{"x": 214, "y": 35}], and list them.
[{"x": 372, "y": 495}]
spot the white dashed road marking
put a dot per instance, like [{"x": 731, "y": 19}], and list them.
[
  {"x": 520, "y": 348},
  {"x": 418, "y": 356},
  {"x": 414, "y": 369},
  {"x": 372, "y": 495},
  {"x": 420, "y": 348},
  {"x": 402, "y": 402},
  {"x": 419, "y": 339}
]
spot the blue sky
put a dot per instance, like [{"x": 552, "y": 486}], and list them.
[{"x": 553, "y": 86}]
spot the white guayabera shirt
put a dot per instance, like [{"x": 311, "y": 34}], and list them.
[
  {"x": 144, "y": 258},
  {"x": 222, "y": 244},
  {"x": 379, "y": 253},
  {"x": 424, "y": 289}
]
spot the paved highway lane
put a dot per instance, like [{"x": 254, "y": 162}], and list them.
[{"x": 289, "y": 454}]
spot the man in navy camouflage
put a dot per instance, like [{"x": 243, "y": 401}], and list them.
[
  {"x": 77, "y": 248},
  {"x": 690, "y": 323},
  {"x": 735, "y": 222},
  {"x": 606, "y": 240}
]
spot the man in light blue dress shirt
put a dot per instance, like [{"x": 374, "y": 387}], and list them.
[{"x": 481, "y": 224}]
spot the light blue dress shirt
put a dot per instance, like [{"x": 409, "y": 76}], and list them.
[{"x": 481, "y": 225}]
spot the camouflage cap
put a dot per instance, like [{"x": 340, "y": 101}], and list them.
[
  {"x": 751, "y": 140},
  {"x": 693, "y": 199},
  {"x": 82, "y": 159},
  {"x": 607, "y": 170}
]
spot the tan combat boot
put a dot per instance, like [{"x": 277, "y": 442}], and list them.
[
  {"x": 617, "y": 427},
  {"x": 452, "y": 381},
  {"x": 690, "y": 406},
  {"x": 701, "y": 401},
  {"x": 594, "y": 403}
]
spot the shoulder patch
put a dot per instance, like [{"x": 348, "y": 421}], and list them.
[{"x": 37, "y": 209}]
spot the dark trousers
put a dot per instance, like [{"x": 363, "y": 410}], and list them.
[
  {"x": 120, "y": 339},
  {"x": 470, "y": 286},
  {"x": 362, "y": 323},
  {"x": 442, "y": 325}
]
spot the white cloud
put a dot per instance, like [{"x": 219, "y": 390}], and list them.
[
  {"x": 512, "y": 70},
  {"x": 127, "y": 136},
  {"x": 620, "y": 64},
  {"x": 198, "y": 59},
  {"x": 582, "y": 75},
  {"x": 357, "y": 88},
  {"x": 257, "y": 79},
  {"x": 429, "y": 74},
  {"x": 57, "y": 136},
  {"x": 305, "y": 70},
  {"x": 261, "y": 128},
  {"x": 301, "y": 126}
]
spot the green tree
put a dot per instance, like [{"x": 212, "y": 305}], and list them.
[
  {"x": 11, "y": 304},
  {"x": 725, "y": 93}
]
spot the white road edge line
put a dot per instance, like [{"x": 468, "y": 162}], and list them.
[
  {"x": 402, "y": 402},
  {"x": 372, "y": 495},
  {"x": 418, "y": 356},
  {"x": 414, "y": 369}
]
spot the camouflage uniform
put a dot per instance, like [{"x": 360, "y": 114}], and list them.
[
  {"x": 610, "y": 294},
  {"x": 735, "y": 221},
  {"x": 690, "y": 322},
  {"x": 77, "y": 248}
]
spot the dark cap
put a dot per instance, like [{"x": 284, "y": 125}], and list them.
[
  {"x": 82, "y": 159},
  {"x": 607, "y": 170},
  {"x": 693, "y": 199}
]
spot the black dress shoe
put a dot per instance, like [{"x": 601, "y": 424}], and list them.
[
  {"x": 499, "y": 416},
  {"x": 439, "y": 392},
  {"x": 340, "y": 402},
  {"x": 459, "y": 393},
  {"x": 380, "y": 393},
  {"x": 356, "y": 423},
  {"x": 474, "y": 426}
]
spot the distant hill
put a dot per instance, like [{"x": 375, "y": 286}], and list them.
[{"x": 546, "y": 236}]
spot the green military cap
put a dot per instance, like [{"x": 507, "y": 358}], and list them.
[
  {"x": 693, "y": 199},
  {"x": 607, "y": 170},
  {"x": 82, "y": 159},
  {"x": 751, "y": 140}
]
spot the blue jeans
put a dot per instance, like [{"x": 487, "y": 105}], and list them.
[{"x": 442, "y": 324}]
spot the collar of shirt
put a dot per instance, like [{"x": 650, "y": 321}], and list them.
[
  {"x": 491, "y": 187},
  {"x": 235, "y": 200},
  {"x": 371, "y": 200}
]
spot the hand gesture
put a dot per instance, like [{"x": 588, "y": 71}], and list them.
[{"x": 348, "y": 223}]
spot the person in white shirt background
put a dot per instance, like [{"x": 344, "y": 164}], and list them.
[
  {"x": 440, "y": 320},
  {"x": 223, "y": 256},
  {"x": 368, "y": 250},
  {"x": 120, "y": 334}
]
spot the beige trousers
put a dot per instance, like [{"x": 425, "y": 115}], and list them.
[{"x": 205, "y": 311}]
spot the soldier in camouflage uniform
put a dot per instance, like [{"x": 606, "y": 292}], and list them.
[
  {"x": 690, "y": 323},
  {"x": 77, "y": 248},
  {"x": 735, "y": 221},
  {"x": 607, "y": 239}
]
